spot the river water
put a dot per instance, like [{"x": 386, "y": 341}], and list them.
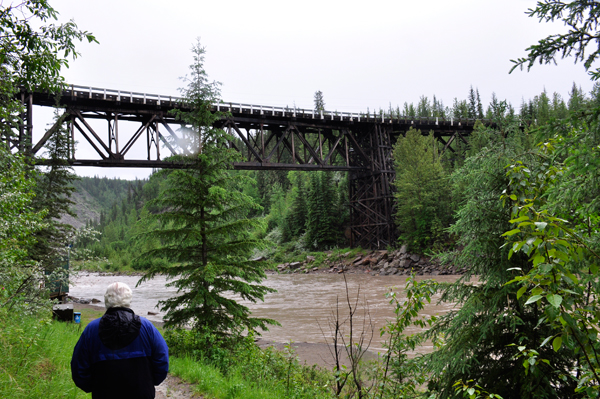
[{"x": 303, "y": 304}]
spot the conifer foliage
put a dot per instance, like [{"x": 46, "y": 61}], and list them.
[
  {"x": 422, "y": 196},
  {"x": 203, "y": 226},
  {"x": 53, "y": 193},
  {"x": 321, "y": 218}
]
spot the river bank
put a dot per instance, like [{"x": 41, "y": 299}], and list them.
[
  {"x": 397, "y": 262},
  {"x": 375, "y": 263},
  {"x": 319, "y": 354}
]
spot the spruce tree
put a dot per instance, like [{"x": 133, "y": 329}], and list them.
[
  {"x": 297, "y": 214},
  {"x": 204, "y": 230},
  {"x": 320, "y": 220},
  {"x": 576, "y": 98},
  {"x": 53, "y": 193},
  {"x": 460, "y": 109},
  {"x": 319, "y": 102},
  {"x": 424, "y": 108},
  {"x": 479, "y": 105},
  {"x": 422, "y": 198},
  {"x": 472, "y": 104}
]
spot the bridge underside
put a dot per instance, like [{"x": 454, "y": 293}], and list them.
[{"x": 266, "y": 138}]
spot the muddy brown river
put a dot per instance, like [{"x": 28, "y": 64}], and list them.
[{"x": 303, "y": 303}]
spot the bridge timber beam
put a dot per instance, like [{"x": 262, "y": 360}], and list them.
[{"x": 267, "y": 138}]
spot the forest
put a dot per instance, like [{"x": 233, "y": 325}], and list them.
[
  {"x": 306, "y": 211},
  {"x": 517, "y": 208}
]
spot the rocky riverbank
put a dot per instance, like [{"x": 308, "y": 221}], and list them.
[{"x": 375, "y": 263}]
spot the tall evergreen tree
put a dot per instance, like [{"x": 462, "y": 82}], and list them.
[
  {"x": 204, "y": 228},
  {"x": 576, "y": 98},
  {"x": 319, "y": 102},
  {"x": 422, "y": 198},
  {"x": 320, "y": 220},
  {"x": 472, "y": 103},
  {"x": 424, "y": 107},
  {"x": 595, "y": 95},
  {"x": 460, "y": 109},
  {"x": 53, "y": 194},
  {"x": 479, "y": 105},
  {"x": 559, "y": 108},
  {"x": 409, "y": 110},
  {"x": 298, "y": 212}
]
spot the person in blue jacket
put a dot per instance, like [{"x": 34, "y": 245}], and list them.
[{"x": 120, "y": 355}]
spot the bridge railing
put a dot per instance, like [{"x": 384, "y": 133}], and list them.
[
  {"x": 120, "y": 95},
  {"x": 253, "y": 109}
]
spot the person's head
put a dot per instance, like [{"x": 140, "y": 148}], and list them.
[{"x": 118, "y": 295}]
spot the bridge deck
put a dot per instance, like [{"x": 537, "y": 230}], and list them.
[{"x": 90, "y": 98}]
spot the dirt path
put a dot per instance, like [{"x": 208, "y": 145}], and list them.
[{"x": 175, "y": 388}]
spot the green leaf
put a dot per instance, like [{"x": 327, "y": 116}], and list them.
[
  {"x": 546, "y": 341},
  {"x": 533, "y": 299},
  {"x": 511, "y": 232},
  {"x": 538, "y": 259},
  {"x": 545, "y": 268},
  {"x": 555, "y": 300},
  {"x": 519, "y": 219},
  {"x": 541, "y": 225},
  {"x": 521, "y": 291},
  {"x": 557, "y": 343}
]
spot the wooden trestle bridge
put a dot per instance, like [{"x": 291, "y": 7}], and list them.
[{"x": 267, "y": 137}]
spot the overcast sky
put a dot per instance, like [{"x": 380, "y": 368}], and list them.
[{"x": 359, "y": 54}]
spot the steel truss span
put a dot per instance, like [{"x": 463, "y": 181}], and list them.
[{"x": 267, "y": 138}]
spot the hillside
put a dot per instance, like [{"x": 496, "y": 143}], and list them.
[
  {"x": 86, "y": 208},
  {"x": 96, "y": 196}
]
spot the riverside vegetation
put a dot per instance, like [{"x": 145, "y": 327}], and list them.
[{"x": 518, "y": 207}]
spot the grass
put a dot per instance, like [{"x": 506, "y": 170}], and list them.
[
  {"x": 239, "y": 383},
  {"x": 35, "y": 358},
  {"x": 88, "y": 315}
]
